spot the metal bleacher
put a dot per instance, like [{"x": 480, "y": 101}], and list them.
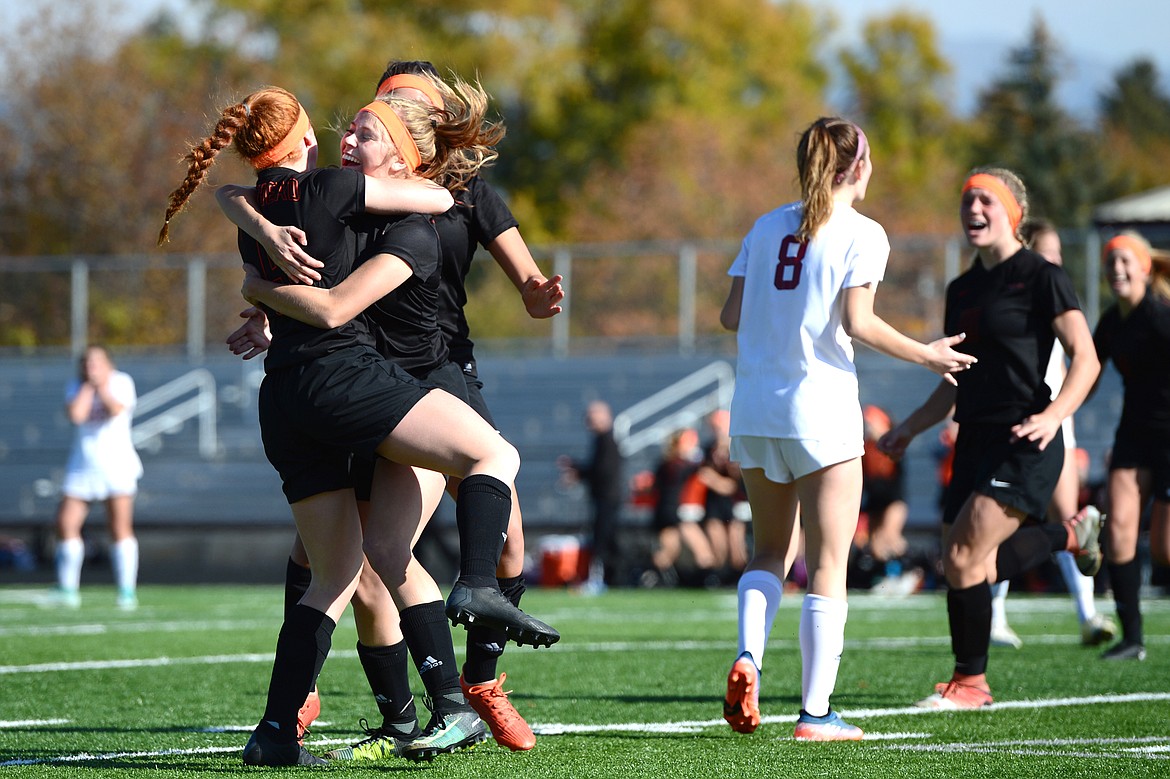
[{"x": 538, "y": 404}]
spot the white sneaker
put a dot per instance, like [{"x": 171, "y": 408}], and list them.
[
  {"x": 1003, "y": 635},
  {"x": 899, "y": 586},
  {"x": 1098, "y": 629}
]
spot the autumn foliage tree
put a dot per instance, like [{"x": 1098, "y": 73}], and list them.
[
  {"x": 900, "y": 89},
  {"x": 627, "y": 121}
]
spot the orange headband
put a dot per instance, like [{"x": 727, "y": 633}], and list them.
[
  {"x": 407, "y": 81},
  {"x": 1134, "y": 245},
  {"x": 285, "y": 147},
  {"x": 400, "y": 136},
  {"x": 996, "y": 187}
]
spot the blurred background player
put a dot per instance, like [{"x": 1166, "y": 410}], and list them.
[
  {"x": 103, "y": 466},
  {"x": 1135, "y": 334}
]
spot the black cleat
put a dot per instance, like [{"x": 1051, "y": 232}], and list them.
[
  {"x": 1125, "y": 650},
  {"x": 487, "y": 607},
  {"x": 262, "y": 749}
]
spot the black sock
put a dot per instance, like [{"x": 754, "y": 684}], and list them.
[
  {"x": 386, "y": 671},
  {"x": 1029, "y": 547},
  {"x": 1126, "y": 579},
  {"x": 481, "y": 513},
  {"x": 296, "y": 584},
  {"x": 301, "y": 650},
  {"x": 485, "y": 645},
  {"x": 429, "y": 638},
  {"x": 969, "y": 613}
]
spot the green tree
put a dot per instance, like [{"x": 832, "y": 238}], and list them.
[
  {"x": 900, "y": 88},
  {"x": 1020, "y": 126},
  {"x": 1136, "y": 103},
  {"x": 1135, "y": 124}
]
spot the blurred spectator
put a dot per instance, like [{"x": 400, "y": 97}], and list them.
[
  {"x": 14, "y": 553},
  {"x": 602, "y": 474},
  {"x": 880, "y": 546},
  {"x": 727, "y": 514},
  {"x": 678, "y": 512}
]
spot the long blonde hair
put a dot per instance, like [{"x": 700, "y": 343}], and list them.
[
  {"x": 456, "y": 141},
  {"x": 825, "y": 152}
]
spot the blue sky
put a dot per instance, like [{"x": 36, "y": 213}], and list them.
[{"x": 1097, "y": 36}]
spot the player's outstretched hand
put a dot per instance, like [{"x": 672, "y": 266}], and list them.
[
  {"x": 542, "y": 297},
  {"x": 945, "y": 361}
]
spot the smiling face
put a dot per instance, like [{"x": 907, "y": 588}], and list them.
[
  {"x": 1126, "y": 275},
  {"x": 366, "y": 146},
  {"x": 985, "y": 220}
]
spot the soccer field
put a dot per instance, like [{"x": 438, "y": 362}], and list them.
[{"x": 634, "y": 689}]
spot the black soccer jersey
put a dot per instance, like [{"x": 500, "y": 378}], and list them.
[
  {"x": 1139, "y": 345},
  {"x": 1006, "y": 312},
  {"x": 477, "y": 218},
  {"x": 405, "y": 322},
  {"x": 320, "y": 202}
]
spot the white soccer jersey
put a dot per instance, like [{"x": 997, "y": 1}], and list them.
[
  {"x": 795, "y": 376},
  {"x": 102, "y": 444}
]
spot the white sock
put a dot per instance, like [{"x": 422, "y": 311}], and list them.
[
  {"x": 822, "y": 639},
  {"x": 759, "y": 600},
  {"x": 70, "y": 556},
  {"x": 1079, "y": 586},
  {"x": 999, "y": 592},
  {"x": 124, "y": 558}
]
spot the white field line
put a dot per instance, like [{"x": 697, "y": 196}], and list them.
[
  {"x": 31, "y": 723},
  {"x": 99, "y": 629},
  {"x": 1056, "y": 747},
  {"x": 149, "y": 662},
  {"x": 1145, "y": 748},
  {"x": 589, "y": 646},
  {"x": 82, "y": 757},
  {"x": 551, "y": 729}
]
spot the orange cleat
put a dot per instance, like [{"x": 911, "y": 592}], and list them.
[
  {"x": 741, "y": 707},
  {"x": 956, "y": 695},
  {"x": 310, "y": 710},
  {"x": 491, "y": 703}
]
